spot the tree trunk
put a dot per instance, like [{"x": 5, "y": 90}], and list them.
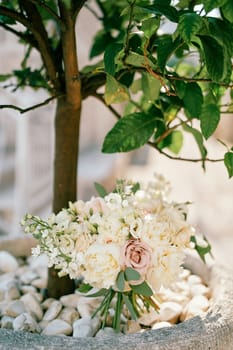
[
  {"x": 65, "y": 178},
  {"x": 67, "y": 124}
]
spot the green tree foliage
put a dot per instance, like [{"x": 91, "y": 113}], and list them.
[
  {"x": 169, "y": 62},
  {"x": 182, "y": 74}
]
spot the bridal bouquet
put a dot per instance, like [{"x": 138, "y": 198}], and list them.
[{"x": 125, "y": 244}]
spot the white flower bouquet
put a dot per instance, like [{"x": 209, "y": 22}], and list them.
[{"x": 125, "y": 245}]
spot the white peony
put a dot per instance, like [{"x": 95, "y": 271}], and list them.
[{"x": 102, "y": 265}]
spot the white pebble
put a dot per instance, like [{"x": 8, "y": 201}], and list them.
[
  {"x": 8, "y": 262},
  {"x": 69, "y": 315},
  {"x": 87, "y": 306},
  {"x": 40, "y": 283},
  {"x": 53, "y": 311},
  {"x": 28, "y": 276},
  {"x": 43, "y": 324},
  {"x": 162, "y": 324},
  {"x": 197, "y": 306},
  {"x": 199, "y": 300},
  {"x": 86, "y": 327},
  {"x": 32, "y": 305},
  {"x": 170, "y": 311},
  {"x": 57, "y": 327},
  {"x": 70, "y": 300},
  {"x": 132, "y": 327},
  {"x": 15, "y": 308},
  {"x": 194, "y": 279},
  {"x": 107, "y": 332},
  {"x": 25, "y": 322},
  {"x": 149, "y": 318},
  {"x": 200, "y": 289},
  {"x": 28, "y": 289},
  {"x": 12, "y": 292},
  {"x": 46, "y": 304},
  {"x": 7, "y": 322}
]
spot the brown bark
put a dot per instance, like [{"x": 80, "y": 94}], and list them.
[{"x": 67, "y": 123}]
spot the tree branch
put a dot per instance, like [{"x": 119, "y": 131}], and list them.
[
  {"x": 193, "y": 160},
  {"x": 100, "y": 98},
  {"x": 95, "y": 14},
  {"x": 20, "y": 35},
  {"x": 77, "y": 6},
  {"x": 48, "y": 9},
  {"x": 43, "y": 46},
  {"x": 41, "y": 36},
  {"x": 25, "y": 110}
]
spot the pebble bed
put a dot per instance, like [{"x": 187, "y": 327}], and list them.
[{"x": 23, "y": 306}]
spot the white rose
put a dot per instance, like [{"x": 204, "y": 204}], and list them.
[
  {"x": 96, "y": 205},
  {"x": 102, "y": 265}
]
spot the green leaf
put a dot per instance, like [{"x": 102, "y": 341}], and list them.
[
  {"x": 100, "y": 293},
  {"x": 130, "y": 132},
  {"x": 160, "y": 8},
  {"x": 120, "y": 281},
  {"x": 228, "y": 161},
  {"x": 180, "y": 87},
  {"x": 150, "y": 87},
  {"x": 202, "y": 251},
  {"x": 165, "y": 48},
  {"x": 142, "y": 289},
  {"x": 100, "y": 190},
  {"x": 129, "y": 306},
  {"x": 136, "y": 187},
  {"x": 101, "y": 41},
  {"x": 150, "y": 26},
  {"x": 139, "y": 13},
  {"x": 211, "y": 4},
  {"x": 4, "y": 77},
  {"x": 131, "y": 274},
  {"x": 118, "y": 310},
  {"x": 84, "y": 288},
  {"x": 137, "y": 60},
  {"x": 222, "y": 32},
  {"x": 227, "y": 10},
  {"x": 189, "y": 25},
  {"x": 109, "y": 57},
  {"x": 193, "y": 100},
  {"x": 136, "y": 86},
  {"x": 174, "y": 141},
  {"x": 210, "y": 117},
  {"x": 214, "y": 57},
  {"x": 199, "y": 140},
  {"x": 114, "y": 91}
]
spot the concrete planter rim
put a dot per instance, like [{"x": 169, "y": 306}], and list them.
[{"x": 213, "y": 332}]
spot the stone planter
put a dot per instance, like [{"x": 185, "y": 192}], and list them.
[{"x": 213, "y": 332}]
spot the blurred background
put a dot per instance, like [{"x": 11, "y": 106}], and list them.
[{"x": 26, "y": 157}]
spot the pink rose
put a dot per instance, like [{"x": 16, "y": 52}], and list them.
[{"x": 137, "y": 255}]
